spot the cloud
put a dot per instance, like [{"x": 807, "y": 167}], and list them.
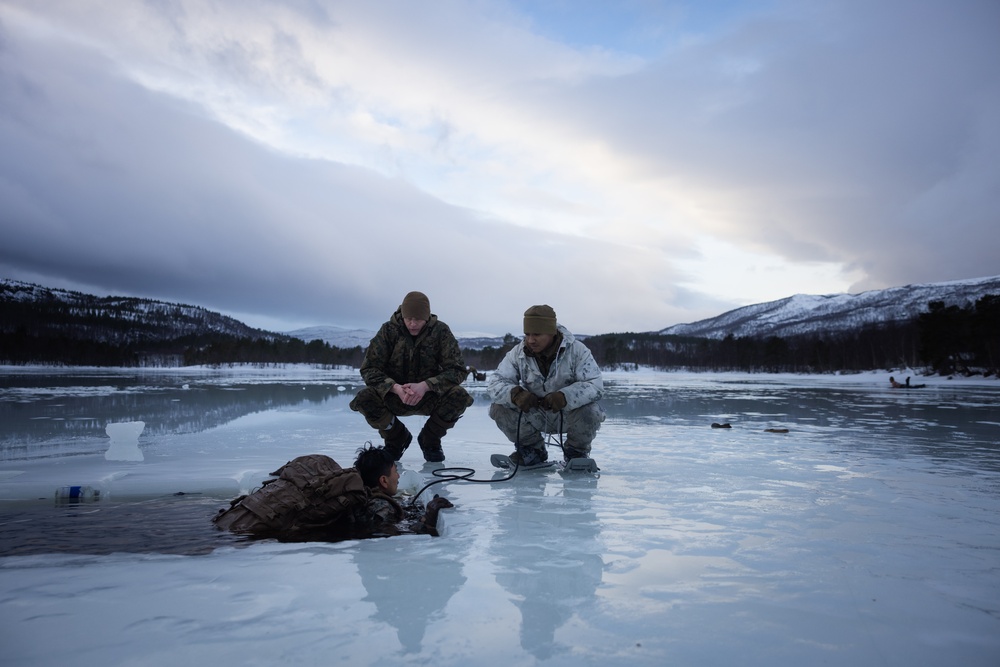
[
  {"x": 111, "y": 185},
  {"x": 311, "y": 162},
  {"x": 858, "y": 134}
]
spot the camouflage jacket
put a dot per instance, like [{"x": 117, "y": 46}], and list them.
[
  {"x": 383, "y": 515},
  {"x": 573, "y": 372},
  {"x": 394, "y": 356}
]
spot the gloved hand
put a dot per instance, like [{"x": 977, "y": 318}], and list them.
[
  {"x": 523, "y": 399},
  {"x": 555, "y": 401},
  {"x": 439, "y": 503},
  {"x": 430, "y": 517}
]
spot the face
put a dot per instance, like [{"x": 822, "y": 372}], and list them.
[
  {"x": 413, "y": 325},
  {"x": 390, "y": 482},
  {"x": 536, "y": 342}
]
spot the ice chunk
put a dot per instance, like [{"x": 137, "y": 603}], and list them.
[
  {"x": 410, "y": 482},
  {"x": 124, "y": 441}
]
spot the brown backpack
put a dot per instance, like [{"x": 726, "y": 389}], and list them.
[{"x": 310, "y": 493}]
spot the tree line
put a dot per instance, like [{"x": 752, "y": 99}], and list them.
[
  {"x": 946, "y": 339},
  {"x": 19, "y": 347}
]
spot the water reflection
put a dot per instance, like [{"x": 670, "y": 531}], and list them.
[
  {"x": 46, "y": 419},
  {"x": 409, "y": 591},
  {"x": 959, "y": 422},
  {"x": 43, "y": 416},
  {"x": 556, "y": 567}
]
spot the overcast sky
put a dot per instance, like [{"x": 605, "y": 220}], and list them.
[{"x": 634, "y": 164}]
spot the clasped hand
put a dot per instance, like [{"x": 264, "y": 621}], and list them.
[{"x": 410, "y": 393}]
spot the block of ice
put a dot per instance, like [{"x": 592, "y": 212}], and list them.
[
  {"x": 124, "y": 441},
  {"x": 410, "y": 482}
]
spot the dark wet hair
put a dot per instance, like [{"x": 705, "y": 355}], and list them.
[{"x": 373, "y": 462}]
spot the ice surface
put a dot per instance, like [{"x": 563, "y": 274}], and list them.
[{"x": 869, "y": 534}]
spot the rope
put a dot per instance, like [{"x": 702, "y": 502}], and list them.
[{"x": 465, "y": 474}]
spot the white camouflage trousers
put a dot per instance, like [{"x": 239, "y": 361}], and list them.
[{"x": 580, "y": 426}]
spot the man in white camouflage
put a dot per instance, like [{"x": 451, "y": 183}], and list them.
[{"x": 550, "y": 383}]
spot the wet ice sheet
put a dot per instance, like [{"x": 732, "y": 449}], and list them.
[{"x": 868, "y": 534}]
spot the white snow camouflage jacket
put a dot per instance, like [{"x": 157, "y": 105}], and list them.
[{"x": 574, "y": 372}]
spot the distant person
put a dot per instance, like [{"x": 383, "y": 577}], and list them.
[
  {"x": 549, "y": 383},
  {"x": 893, "y": 384},
  {"x": 311, "y": 498},
  {"x": 413, "y": 366}
]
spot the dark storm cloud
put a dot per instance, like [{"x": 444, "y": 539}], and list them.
[{"x": 112, "y": 187}]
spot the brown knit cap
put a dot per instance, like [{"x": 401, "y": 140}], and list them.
[
  {"x": 540, "y": 320},
  {"x": 416, "y": 306}
]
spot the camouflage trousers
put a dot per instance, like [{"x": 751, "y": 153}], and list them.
[
  {"x": 579, "y": 425},
  {"x": 447, "y": 406}
]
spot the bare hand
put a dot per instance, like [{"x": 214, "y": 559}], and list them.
[{"x": 412, "y": 393}]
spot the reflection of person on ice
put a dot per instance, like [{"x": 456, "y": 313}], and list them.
[{"x": 550, "y": 383}]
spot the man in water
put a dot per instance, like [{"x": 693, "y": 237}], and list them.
[
  {"x": 383, "y": 514},
  {"x": 313, "y": 499}
]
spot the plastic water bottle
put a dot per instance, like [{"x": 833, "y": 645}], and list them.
[{"x": 77, "y": 494}]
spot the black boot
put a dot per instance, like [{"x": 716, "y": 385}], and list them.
[
  {"x": 529, "y": 456},
  {"x": 397, "y": 438},
  {"x": 430, "y": 438},
  {"x": 570, "y": 452}
]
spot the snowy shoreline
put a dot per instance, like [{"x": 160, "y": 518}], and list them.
[{"x": 293, "y": 371}]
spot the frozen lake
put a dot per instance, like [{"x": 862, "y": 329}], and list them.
[{"x": 868, "y": 534}]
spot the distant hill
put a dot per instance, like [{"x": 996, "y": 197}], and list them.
[
  {"x": 794, "y": 315},
  {"x": 802, "y": 332},
  {"x": 113, "y": 319},
  {"x": 56, "y": 326},
  {"x": 347, "y": 338},
  {"x": 336, "y": 336},
  {"x": 807, "y": 314}
]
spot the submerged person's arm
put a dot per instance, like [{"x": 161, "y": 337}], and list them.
[
  {"x": 427, "y": 523},
  {"x": 386, "y": 517}
]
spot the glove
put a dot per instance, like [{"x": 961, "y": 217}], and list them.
[
  {"x": 555, "y": 401},
  {"x": 439, "y": 503},
  {"x": 523, "y": 399},
  {"x": 430, "y": 517}
]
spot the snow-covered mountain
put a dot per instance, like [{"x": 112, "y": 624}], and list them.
[
  {"x": 335, "y": 336},
  {"x": 348, "y": 338},
  {"x": 126, "y": 318},
  {"x": 805, "y": 314},
  {"x": 110, "y": 319}
]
